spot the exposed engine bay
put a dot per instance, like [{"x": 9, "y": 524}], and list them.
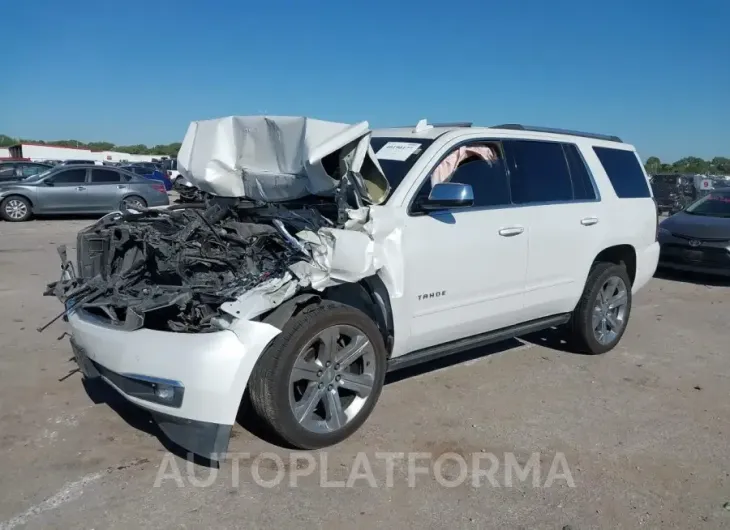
[{"x": 173, "y": 269}]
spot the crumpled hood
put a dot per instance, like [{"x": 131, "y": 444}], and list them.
[
  {"x": 697, "y": 226},
  {"x": 280, "y": 158}
]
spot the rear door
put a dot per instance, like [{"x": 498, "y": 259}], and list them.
[
  {"x": 106, "y": 189},
  {"x": 63, "y": 192},
  {"x": 550, "y": 183}
]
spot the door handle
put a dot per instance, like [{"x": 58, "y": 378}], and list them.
[
  {"x": 121, "y": 186},
  {"x": 511, "y": 231},
  {"x": 80, "y": 188},
  {"x": 588, "y": 221}
]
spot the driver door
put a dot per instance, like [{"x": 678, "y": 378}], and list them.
[
  {"x": 466, "y": 268},
  {"x": 63, "y": 192}
]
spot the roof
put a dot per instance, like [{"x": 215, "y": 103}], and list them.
[{"x": 425, "y": 131}]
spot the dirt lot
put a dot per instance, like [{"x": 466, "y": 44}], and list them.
[{"x": 643, "y": 431}]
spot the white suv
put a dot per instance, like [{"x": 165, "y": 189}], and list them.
[{"x": 492, "y": 233}]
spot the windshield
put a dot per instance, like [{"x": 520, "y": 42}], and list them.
[
  {"x": 397, "y": 156},
  {"x": 716, "y": 204}
]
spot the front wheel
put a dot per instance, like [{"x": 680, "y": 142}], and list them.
[
  {"x": 16, "y": 209},
  {"x": 601, "y": 316},
  {"x": 319, "y": 380}
]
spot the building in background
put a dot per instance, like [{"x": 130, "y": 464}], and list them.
[
  {"x": 35, "y": 152},
  {"x": 4, "y": 153}
]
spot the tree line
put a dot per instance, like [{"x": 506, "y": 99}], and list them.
[
  {"x": 719, "y": 165},
  {"x": 139, "y": 149}
]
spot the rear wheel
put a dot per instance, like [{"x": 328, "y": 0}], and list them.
[
  {"x": 134, "y": 202},
  {"x": 16, "y": 209},
  {"x": 601, "y": 316},
  {"x": 320, "y": 378}
]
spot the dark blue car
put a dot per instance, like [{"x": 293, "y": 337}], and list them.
[{"x": 149, "y": 173}]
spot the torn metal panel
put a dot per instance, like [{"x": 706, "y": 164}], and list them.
[{"x": 280, "y": 158}]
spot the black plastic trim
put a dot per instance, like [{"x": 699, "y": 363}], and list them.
[
  {"x": 209, "y": 440},
  {"x": 443, "y": 350}
]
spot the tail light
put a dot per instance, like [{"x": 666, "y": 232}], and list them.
[{"x": 160, "y": 188}]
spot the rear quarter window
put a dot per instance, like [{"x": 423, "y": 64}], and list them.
[{"x": 624, "y": 171}]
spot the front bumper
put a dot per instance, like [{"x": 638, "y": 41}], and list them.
[
  {"x": 705, "y": 258},
  {"x": 208, "y": 371}
]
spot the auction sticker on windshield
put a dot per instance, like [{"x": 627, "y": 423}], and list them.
[{"x": 397, "y": 151}]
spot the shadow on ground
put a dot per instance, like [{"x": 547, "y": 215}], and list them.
[{"x": 692, "y": 277}]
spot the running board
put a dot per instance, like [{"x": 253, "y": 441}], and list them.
[{"x": 442, "y": 350}]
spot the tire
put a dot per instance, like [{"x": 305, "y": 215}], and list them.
[
  {"x": 128, "y": 201},
  {"x": 584, "y": 334},
  {"x": 273, "y": 393},
  {"x": 16, "y": 209}
]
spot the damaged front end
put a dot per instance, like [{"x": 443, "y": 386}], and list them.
[
  {"x": 286, "y": 208},
  {"x": 174, "y": 269},
  {"x": 174, "y": 306}
]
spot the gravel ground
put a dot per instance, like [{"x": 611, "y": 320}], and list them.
[{"x": 635, "y": 438}]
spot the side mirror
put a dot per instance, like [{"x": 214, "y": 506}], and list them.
[{"x": 447, "y": 196}]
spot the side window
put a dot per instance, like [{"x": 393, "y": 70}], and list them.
[
  {"x": 624, "y": 171},
  {"x": 104, "y": 176},
  {"x": 583, "y": 189},
  {"x": 481, "y": 165},
  {"x": 538, "y": 172},
  {"x": 488, "y": 181},
  {"x": 72, "y": 176},
  {"x": 7, "y": 170}
]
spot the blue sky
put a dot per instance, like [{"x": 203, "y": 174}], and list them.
[{"x": 140, "y": 71}]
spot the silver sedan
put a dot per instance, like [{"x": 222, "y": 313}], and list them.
[{"x": 78, "y": 190}]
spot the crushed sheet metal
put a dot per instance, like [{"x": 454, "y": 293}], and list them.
[{"x": 278, "y": 158}]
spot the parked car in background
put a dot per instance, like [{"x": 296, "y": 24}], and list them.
[
  {"x": 673, "y": 191},
  {"x": 20, "y": 169},
  {"x": 151, "y": 173},
  {"x": 697, "y": 239},
  {"x": 170, "y": 166},
  {"x": 79, "y": 189},
  {"x": 77, "y": 162}
]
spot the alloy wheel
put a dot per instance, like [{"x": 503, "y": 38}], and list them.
[
  {"x": 609, "y": 310},
  {"x": 16, "y": 209},
  {"x": 332, "y": 379}
]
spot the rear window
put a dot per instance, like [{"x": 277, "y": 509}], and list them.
[
  {"x": 105, "y": 176},
  {"x": 624, "y": 171},
  {"x": 539, "y": 172}
]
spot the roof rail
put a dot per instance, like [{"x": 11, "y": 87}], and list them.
[
  {"x": 454, "y": 124},
  {"x": 519, "y": 127},
  {"x": 444, "y": 124}
]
